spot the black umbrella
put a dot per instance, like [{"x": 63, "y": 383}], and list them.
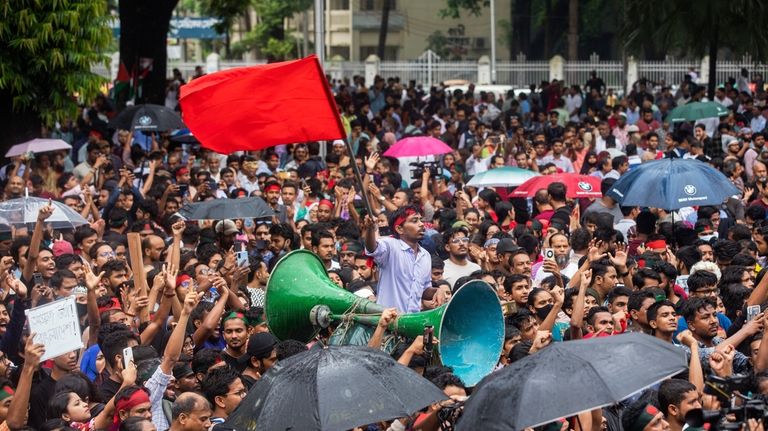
[
  {"x": 569, "y": 378},
  {"x": 147, "y": 118},
  {"x": 333, "y": 388},
  {"x": 220, "y": 209}
]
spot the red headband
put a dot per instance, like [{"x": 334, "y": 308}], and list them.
[
  {"x": 325, "y": 202},
  {"x": 657, "y": 244},
  {"x": 400, "y": 220},
  {"x": 369, "y": 262},
  {"x": 272, "y": 187},
  {"x": 114, "y": 304},
  {"x": 137, "y": 398}
]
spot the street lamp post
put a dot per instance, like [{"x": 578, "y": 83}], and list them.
[{"x": 493, "y": 42}]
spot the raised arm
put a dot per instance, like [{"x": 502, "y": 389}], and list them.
[
  {"x": 17, "y": 411},
  {"x": 37, "y": 239},
  {"x": 176, "y": 341},
  {"x": 94, "y": 318}
]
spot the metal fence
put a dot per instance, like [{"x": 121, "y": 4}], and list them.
[
  {"x": 520, "y": 73},
  {"x": 612, "y": 72}
]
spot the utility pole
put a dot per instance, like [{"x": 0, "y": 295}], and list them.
[
  {"x": 493, "y": 41},
  {"x": 320, "y": 30}
]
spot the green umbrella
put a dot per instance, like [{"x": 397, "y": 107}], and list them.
[
  {"x": 505, "y": 176},
  {"x": 696, "y": 111}
]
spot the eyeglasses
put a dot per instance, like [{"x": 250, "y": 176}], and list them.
[
  {"x": 241, "y": 393},
  {"x": 464, "y": 240},
  {"x": 707, "y": 291},
  {"x": 107, "y": 254}
]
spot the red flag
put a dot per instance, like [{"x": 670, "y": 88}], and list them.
[{"x": 252, "y": 108}]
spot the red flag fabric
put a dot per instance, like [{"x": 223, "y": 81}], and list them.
[{"x": 253, "y": 108}]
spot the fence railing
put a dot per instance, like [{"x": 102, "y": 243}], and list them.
[{"x": 519, "y": 73}]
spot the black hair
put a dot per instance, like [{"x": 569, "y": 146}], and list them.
[
  {"x": 205, "y": 359},
  {"x": 216, "y": 382},
  {"x": 638, "y": 280},
  {"x": 672, "y": 392},
  {"x": 133, "y": 423},
  {"x": 58, "y": 278},
  {"x": 617, "y": 292},
  {"x": 637, "y": 298},
  {"x": 57, "y": 405},
  {"x": 688, "y": 255},
  {"x": 80, "y": 384},
  {"x": 701, "y": 279},
  {"x": 113, "y": 345},
  {"x": 653, "y": 310},
  {"x": 632, "y": 413},
  {"x": 448, "y": 379},
  {"x": 593, "y": 312},
  {"x": 693, "y": 305},
  {"x": 287, "y": 348},
  {"x": 725, "y": 250}
]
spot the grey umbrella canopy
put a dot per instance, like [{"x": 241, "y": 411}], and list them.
[
  {"x": 220, "y": 209},
  {"x": 568, "y": 378},
  {"x": 333, "y": 388},
  {"x": 22, "y": 212}
]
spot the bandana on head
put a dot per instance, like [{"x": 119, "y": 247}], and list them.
[
  {"x": 272, "y": 188},
  {"x": 326, "y": 202},
  {"x": 400, "y": 220},
  {"x": 137, "y": 398},
  {"x": 113, "y": 305},
  {"x": 647, "y": 415},
  {"x": 657, "y": 245},
  {"x": 6, "y": 392},
  {"x": 235, "y": 315}
]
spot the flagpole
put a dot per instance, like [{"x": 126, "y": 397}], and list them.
[{"x": 359, "y": 177}]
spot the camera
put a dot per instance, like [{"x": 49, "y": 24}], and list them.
[{"x": 418, "y": 169}]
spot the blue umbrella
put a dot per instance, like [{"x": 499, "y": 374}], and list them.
[{"x": 672, "y": 184}]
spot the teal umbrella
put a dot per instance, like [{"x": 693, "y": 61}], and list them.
[
  {"x": 696, "y": 111},
  {"x": 505, "y": 176}
]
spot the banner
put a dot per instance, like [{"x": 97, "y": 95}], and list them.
[{"x": 57, "y": 327}]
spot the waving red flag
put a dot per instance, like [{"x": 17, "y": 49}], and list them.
[{"x": 252, "y": 108}]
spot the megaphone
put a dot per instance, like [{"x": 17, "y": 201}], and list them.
[{"x": 301, "y": 299}]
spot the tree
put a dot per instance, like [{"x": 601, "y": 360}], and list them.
[
  {"x": 144, "y": 26},
  {"x": 47, "y": 49},
  {"x": 384, "y": 28},
  {"x": 268, "y": 35},
  {"x": 699, "y": 28},
  {"x": 227, "y": 11}
]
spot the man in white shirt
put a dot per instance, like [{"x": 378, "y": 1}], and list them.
[
  {"x": 563, "y": 163},
  {"x": 573, "y": 103},
  {"x": 457, "y": 245}
]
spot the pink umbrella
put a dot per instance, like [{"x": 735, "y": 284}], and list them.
[
  {"x": 38, "y": 146},
  {"x": 417, "y": 146}
]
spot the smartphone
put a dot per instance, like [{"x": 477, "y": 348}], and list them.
[
  {"x": 429, "y": 341},
  {"x": 127, "y": 356},
  {"x": 37, "y": 279},
  {"x": 242, "y": 258},
  {"x": 752, "y": 312},
  {"x": 549, "y": 254},
  {"x": 183, "y": 189}
]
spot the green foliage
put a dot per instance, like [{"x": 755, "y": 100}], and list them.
[
  {"x": 47, "y": 48},
  {"x": 268, "y": 35},
  {"x": 692, "y": 26},
  {"x": 453, "y": 8},
  {"x": 226, "y": 10},
  {"x": 438, "y": 43}
]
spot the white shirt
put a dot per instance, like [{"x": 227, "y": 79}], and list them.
[
  {"x": 453, "y": 272},
  {"x": 572, "y": 103}
]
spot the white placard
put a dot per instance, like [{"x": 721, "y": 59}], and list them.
[{"x": 57, "y": 327}]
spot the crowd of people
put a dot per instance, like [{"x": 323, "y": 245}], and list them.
[{"x": 563, "y": 269}]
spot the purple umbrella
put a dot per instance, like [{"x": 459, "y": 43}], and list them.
[
  {"x": 417, "y": 146},
  {"x": 38, "y": 146}
]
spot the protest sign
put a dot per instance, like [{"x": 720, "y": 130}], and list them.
[{"x": 57, "y": 327}]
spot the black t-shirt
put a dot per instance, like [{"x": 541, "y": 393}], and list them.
[
  {"x": 108, "y": 389},
  {"x": 248, "y": 381},
  {"x": 41, "y": 393}
]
